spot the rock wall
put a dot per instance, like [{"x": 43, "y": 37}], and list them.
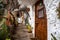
[
  {"x": 32, "y": 16},
  {"x": 53, "y": 23}
]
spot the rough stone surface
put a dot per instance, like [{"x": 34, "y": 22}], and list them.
[
  {"x": 53, "y": 23},
  {"x": 22, "y": 33}
]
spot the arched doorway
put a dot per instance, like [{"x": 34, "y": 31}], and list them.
[{"x": 40, "y": 21}]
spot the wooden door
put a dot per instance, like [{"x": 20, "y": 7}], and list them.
[{"x": 40, "y": 21}]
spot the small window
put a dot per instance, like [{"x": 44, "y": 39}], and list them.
[
  {"x": 40, "y": 9},
  {"x": 40, "y": 14}
]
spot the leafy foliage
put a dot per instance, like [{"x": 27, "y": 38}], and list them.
[
  {"x": 58, "y": 10},
  {"x": 1, "y": 10},
  {"x": 54, "y": 38},
  {"x": 3, "y": 32}
]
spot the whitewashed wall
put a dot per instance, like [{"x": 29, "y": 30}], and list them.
[
  {"x": 32, "y": 21},
  {"x": 53, "y": 23}
]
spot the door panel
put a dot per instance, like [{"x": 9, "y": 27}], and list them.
[{"x": 40, "y": 22}]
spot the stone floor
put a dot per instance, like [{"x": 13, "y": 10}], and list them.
[{"x": 22, "y": 33}]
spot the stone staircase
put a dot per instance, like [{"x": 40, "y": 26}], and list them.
[{"x": 22, "y": 33}]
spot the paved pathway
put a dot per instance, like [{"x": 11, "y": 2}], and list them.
[{"x": 22, "y": 33}]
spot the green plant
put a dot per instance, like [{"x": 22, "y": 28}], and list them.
[
  {"x": 53, "y": 37},
  {"x": 1, "y": 10},
  {"x": 3, "y": 32},
  {"x": 58, "y": 10}
]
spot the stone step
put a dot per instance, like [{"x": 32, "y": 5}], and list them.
[{"x": 22, "y": 33}]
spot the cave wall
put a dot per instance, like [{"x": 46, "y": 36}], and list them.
[{"x": 53, "y": 23}]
